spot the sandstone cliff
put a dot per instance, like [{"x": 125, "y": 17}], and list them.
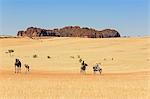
[{"x": 69, "y": 31}]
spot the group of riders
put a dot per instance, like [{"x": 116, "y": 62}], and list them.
[
  {"x": 18, "y": 66},
  {"x": 96, "y": 67}
]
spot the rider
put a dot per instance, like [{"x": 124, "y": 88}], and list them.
[
  {"x": 82, "y": 63},
  {"x": 97, "y": 65},
  {"x": 83, "y": 66}
]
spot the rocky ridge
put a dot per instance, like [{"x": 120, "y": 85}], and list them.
[{"x": 69, "y": 31}]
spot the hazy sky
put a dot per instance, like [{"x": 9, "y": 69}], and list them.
[{"x": 129, "y": 17}]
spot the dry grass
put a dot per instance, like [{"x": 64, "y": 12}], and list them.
[{"x": 125, "y": 77}]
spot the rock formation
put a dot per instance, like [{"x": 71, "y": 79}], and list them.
[{"x": 69, "y": 31}]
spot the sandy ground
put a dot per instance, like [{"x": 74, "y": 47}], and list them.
[{"x": 127, "y": 76}]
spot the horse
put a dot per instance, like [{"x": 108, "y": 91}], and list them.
[
  {"x": 17, "y": 66},
  {"x": 83, "y": 67},
  {"x": 27, "y": 67},
  {"x": 97, "y": 68}
]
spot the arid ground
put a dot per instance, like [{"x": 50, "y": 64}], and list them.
[{"x": 125, "y": 63}]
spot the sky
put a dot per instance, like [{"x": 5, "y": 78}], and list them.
[{"x": 128, "y": 17}]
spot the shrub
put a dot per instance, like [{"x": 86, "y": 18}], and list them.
[
  {"x": 72, "y": 57},
  {"x": 10, "y": 51},
  {"x": 48, "y": 57},
  {"x": 35, "y": 56},
  {"x": 80, "y": 60},
  {"x": 78, "y": 56}
]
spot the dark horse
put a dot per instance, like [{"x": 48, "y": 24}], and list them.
[
  {"x": 83, "y": 67},
  {"x": 17, "y": 66}
]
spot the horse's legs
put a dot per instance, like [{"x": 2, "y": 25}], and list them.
[
  {"x": 27, "y": 70},
  {"x": 20, "y": 69},
  {"x": 15, "y": 68},
  {"x": 100, "y": 71},
  {"x": 81, "y": 71},
  {"x": 84, "y": 72}
]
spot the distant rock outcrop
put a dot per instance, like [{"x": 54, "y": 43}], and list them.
[{"x": 69, "y": 31}]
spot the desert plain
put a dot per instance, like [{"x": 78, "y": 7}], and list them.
[{"x": 125, "y": 63}]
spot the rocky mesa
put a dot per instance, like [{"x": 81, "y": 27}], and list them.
[{"x": 69, "y": 31}]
